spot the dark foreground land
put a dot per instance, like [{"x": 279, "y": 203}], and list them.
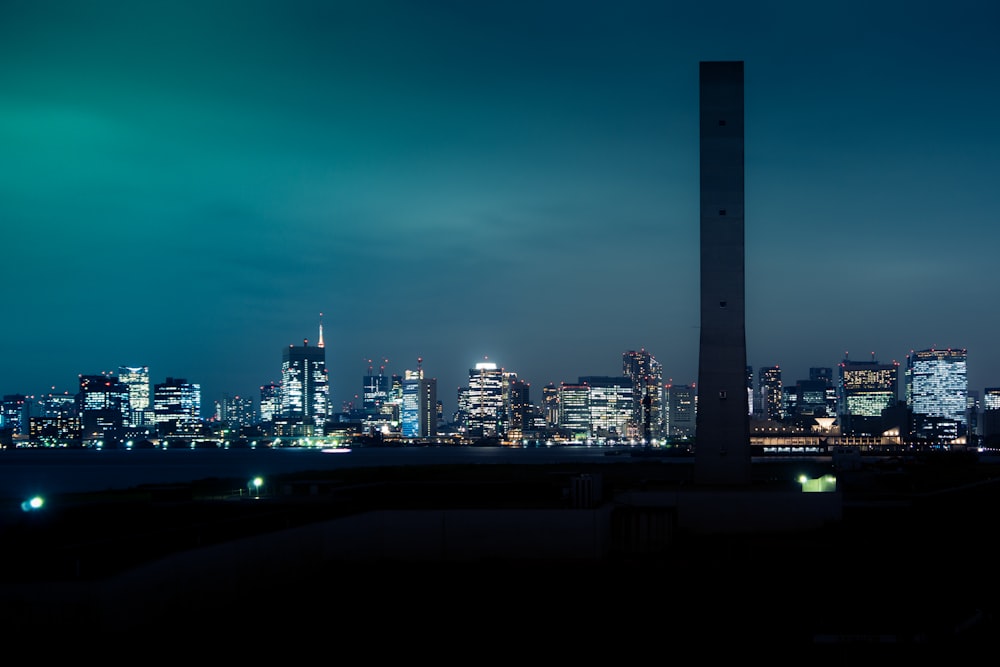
[{"x": 907, "y": 570}]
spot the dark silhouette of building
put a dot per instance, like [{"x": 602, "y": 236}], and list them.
[{"x": 722, "y": 449}]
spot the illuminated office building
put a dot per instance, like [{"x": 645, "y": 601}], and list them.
[
  {"x": 937, "y": 393},
  {"x": 14, "y": 413},
  {"x": 646, "y": 375},
  {"x": 418, "y": 410},
  {"x": 485, "y": 400},
  {"x": 550, "y": 404},
  {"x": 989, "y": 427},
  {"x": 789, "y": 402},
  {"x": 270, "y": 401},
  {"x": 57, "y": 405},
  {"x": 974, "y": 410},
  {"x": 136, "y": 378},
  {"x": 177, "y": 407},
  {"x": 304, "y": 388},
  {"x": 102, "y": 405},
  {"x": 374, "y": 392},
  {"x": 462, "y": 405},
  {"x": 58, "y": 430},
  {"x": 574, "y": 409},
  {"x": 864, "y": 390},
  {"x": 811, "y": 398},
  {"x": 237, "y": 412},
  {"x": 611, "y": 407},
  {"x": 680, "y": 400},
  {"x": 517, "y": 400},
  {"x": 770, "y": 388},
  {"x": 824, "y": 374}
]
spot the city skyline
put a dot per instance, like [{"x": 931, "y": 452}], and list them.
[
  {"x": 454, "y": 183},
  {"x": 755, "y": 378}
]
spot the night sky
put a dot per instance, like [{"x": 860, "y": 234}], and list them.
[{"x": 188, "y": 185}]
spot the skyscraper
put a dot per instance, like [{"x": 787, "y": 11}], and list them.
[
  {"x": 270, "y": 401},
  {"x": 680, "y": 412},
  {"x": 937, "y": 393},
  {"x": 611, "y": 406},
  {"x": 14, "y": 413},
  {"x": 177, "y": 406},
  {"x": 770, "y": 388},
  {"x": 864, "y": 390},
  {"x": 418, "y": 413},
  {"x": 646, "y": 374},
  {"x": 518, "y": 401},
  {"x": 991, "y": 398},
  {"x": 136, "y": 378},
  {"x": 722, "y": 446},
  {"x": 237, "y": 412},
  {"x": 304, "y": 388},
  {"x": 102, "y": 405},
  {"x": 485, "y": 400},
  {"x": 574, "y": 409},
  {"x": 374, "y": 390}
]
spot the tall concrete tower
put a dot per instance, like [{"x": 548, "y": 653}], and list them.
[{"x": 722, "y": 438}]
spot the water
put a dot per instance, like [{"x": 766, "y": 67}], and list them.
[{"x": 27, "y": 472}]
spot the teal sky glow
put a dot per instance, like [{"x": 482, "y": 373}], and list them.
[{"x": 187, "y": 185}]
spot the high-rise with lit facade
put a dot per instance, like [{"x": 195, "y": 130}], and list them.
[
  {"x": 58, "y": 421},
  {"x": 646, "y": 376},
  {"x": 237, "y": 412},
  {"x": 304, "y": 389},
  {"x": 14, "y": 414},
  {"x": 374, "y": 391},
  {"x": 770, "y": 388},
  {"x": 270, "y": 401},
  {"x": 811, "y": 399},
  {"x": 102, "y": 405},
  {"x": 418, "y": 412},
  {"x": 519, "y": 408},
  {"x": 989, "y": 427},
  {"x": 177, "y": 407},
  {"x": 864, "y": 390},
  {"x": 136, "y": 378},
  {"x": 991, "y": 398},
  {"x": 574, "y": 409},
  {"x": 485, "y": 400},
  {"x": 681, "y": 410},
  {"x": 550, "y": 404},
  {"x": 937, "y": 393},
  {"x": 722, "y": 448},
  {"x": 611, "y": 407},
  {"x": 825, "y": 374}
]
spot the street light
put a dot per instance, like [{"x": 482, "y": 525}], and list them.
[
  {"x": 255, "y": 483},
  {"x": 32, "y": 504}
]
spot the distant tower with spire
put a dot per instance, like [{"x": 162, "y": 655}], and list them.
[
  {"x": 305, "y": 389},
  {"x": 418, "y": 412}
]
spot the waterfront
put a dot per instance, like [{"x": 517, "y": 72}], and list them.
[{"x": 25, "y": 472}]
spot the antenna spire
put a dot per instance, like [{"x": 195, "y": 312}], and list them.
[{"x": 321, "y": 330}]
